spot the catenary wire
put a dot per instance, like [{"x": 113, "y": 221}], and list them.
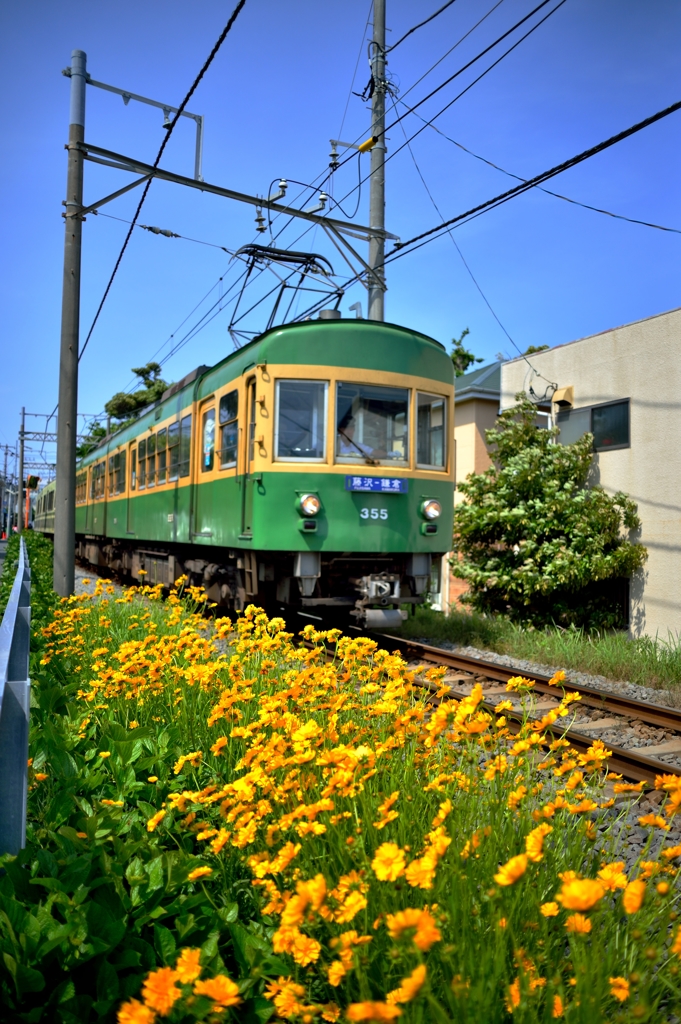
[
  {"x": 524, "y": 186},
  {"x": 415, "y": 28},
  {"x": 209, "y": 60},
  {"x": 465, "y": 263},
  {"x": 548, "y": 191}
]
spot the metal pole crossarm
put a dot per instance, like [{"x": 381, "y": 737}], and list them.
[
  {"x": 124, "y": 163},
  {"x": 45, "y": 435},
  {"x": 107, "y": 199},
  {"x": 165, "y": 107}
]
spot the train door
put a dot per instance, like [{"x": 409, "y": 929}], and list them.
[
  {"x": 204, "y": 510},
  {"x": 249, "y": 456},
  {"x": 132, "y": 486}
]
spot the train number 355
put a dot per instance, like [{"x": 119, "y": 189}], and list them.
[{"x": 373, "y": 513}]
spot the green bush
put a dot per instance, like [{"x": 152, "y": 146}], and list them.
[{"x": 537, "y": 542}]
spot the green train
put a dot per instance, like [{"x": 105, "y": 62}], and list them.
[{"x": 312, "y": 469}]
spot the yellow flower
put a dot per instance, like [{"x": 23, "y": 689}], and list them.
[
  {"x": 534, "y": 842},
  {"x": 372, "y": 1011},
  {"x": 221, "y": 989},
  {"x": 632, "y": 897},
  {"x": 512, "y": 870},
  {"x": 187, "y": 967},
  {"x": 612, "y": 876},
  {"x": 409, "y": 987},
  {"x": 134, "y": 1012},
  {"x": 336, "y": 973},
  {"x": 159, "y": 990},
  {"x": 662, "y": 888},
  {"x": 153, "y": 778},
  {"x": 654, "y": 820},
  {"x": 388, "y": 863},
  {"x": 676, "y": 944},
  {"x": 421, "y": 872},
  {"x": 557, "y": 1007},
  {"x": 619, "y": 988},
  {"x": 113, "y": 803},
  {"x": 40, "y": 776},
  {"x": 580, "y": 894},
  {"x": 578, "y": 923},
  {"x": 155, "y": 819},
  {"x": 305, "y": 950},
  {"x": 549, "y": 909},
  {"x": 201, "y": 872},
  {"x": 105, "y": 753},
  {"x": 427, "y": 933}
]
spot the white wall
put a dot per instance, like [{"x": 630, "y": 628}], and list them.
[{"x": 641, "y": 362}]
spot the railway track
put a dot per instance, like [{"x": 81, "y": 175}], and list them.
[{"x": 612, "y": 711}]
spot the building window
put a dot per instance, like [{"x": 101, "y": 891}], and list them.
[
  {"x": 431, "y": 431},
  {"x": 610, "y": 426},
  {"x": 372, "y": 423},
  {"x": 301, "y": 420},
  {"x": 229, "y": 429}
]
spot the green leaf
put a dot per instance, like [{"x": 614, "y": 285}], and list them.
[
  {"x": 164, "y": 943},
  {"x": 229, "y": 913},
  {"x": 107, "y": 982}
]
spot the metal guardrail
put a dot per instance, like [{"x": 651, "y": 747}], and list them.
[{"x": 15, "y": 635}]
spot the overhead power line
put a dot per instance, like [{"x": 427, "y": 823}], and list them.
[
  {"x": 209, "y": 60},
  {"x": 420, "y": 25},
  {"x": 548, "y": 191},
  {"x": 524, "y": 186}
]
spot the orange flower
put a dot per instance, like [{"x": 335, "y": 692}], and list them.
[
  {"x": 388, "y": 864},
  {"x": 221, "y": 989},
  {"x": 372, "y": 1011},
  {"x": 134, "y": 1012},
  {"x": 421, "y": 872},
  {"x": 580, "y": 894},
  {"x": 513, "y": 999},
  {"x": 155, "y": 819},
  {"x": 40, "y": 776},
  {"x": 159, "y": 990},
  {"x": 557, "y": 1007},
  {"x": 305, "y": 950},
  {"x": 619, "y": 988},
  {"x": 612, "y": 876},
  {"x": 336, "y": 973},
  {"x": 534, "y": 842},
  {"x": 427, "y": 932},
  {"x": 105, "y": 753},
  {"x": 409, "y": 987},
  {"x": 201, "y": 872},
  {"x": 578, "y": 923},
  {"x": 512, "y": 870},
  {"x": 632, "y": 897},
  {"x": 549, "y": 909},
  {"x": 676, "y": 944},
  {"x": 654, "y": 820},
  {"x": 187, "y": 967}
]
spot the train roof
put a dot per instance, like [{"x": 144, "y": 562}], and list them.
[{"x": 364, "y": 344}]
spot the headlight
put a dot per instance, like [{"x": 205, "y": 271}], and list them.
[
  {"x": 431, "y": 509},
  {"x": 309, "y": 504}
]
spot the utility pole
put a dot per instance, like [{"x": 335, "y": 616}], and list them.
[
  {"x": 3, "y": 494},
  {"x": 67, "y": 425},
  {"x": 377, "y": 182},
  {"x": 20, "y": 482}
]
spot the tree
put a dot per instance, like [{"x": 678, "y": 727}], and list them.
[
  {"x": 535, "y": 542},
  {"x": 534, "y": 348},
  {"x": 461, "y": 357},
  {"x": 126, "y": 406},
  {"x": 96, "y": 432}
]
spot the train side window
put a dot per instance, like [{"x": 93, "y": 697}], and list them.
[
  {"x": 301, "y": 420},
  {"x": 133, "y": 468},
  {"x": 111, "y": 475},
  {"x": 431, "y": 426},
  {"x": 151, "y": 460},
  {"x": 173, "y": 451},
  {"x": 229, "y": 429},
  {"x": 185, "y": 445},
  {"x": 208, "y": 440},
  {"x": 50, "y": 502},
  {"x": 119, "y": 463},
  {"x": 142, "y": 456},
  {"x": 161, "y": 456}
]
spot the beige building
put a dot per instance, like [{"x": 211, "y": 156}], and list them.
[{"x": 624, "y": 385}]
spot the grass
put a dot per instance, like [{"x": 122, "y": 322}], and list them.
[
  {"x": 270, "y": 835},
  {"x": 645, "y": 660}
]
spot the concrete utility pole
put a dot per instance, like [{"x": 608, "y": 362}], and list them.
[
  {"x": 67, "y": 425},
  {"x": 20, "y": 482},
  {"x": 377, "y": 181}
]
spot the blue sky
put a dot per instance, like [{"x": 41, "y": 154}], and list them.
[{"x": 273, "y": 98}]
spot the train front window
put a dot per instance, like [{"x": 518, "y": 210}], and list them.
[
  {"x": 372, "y": 424},
  {"x": 430, "y": 431},
  {"x": 301, "y": 420}
]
